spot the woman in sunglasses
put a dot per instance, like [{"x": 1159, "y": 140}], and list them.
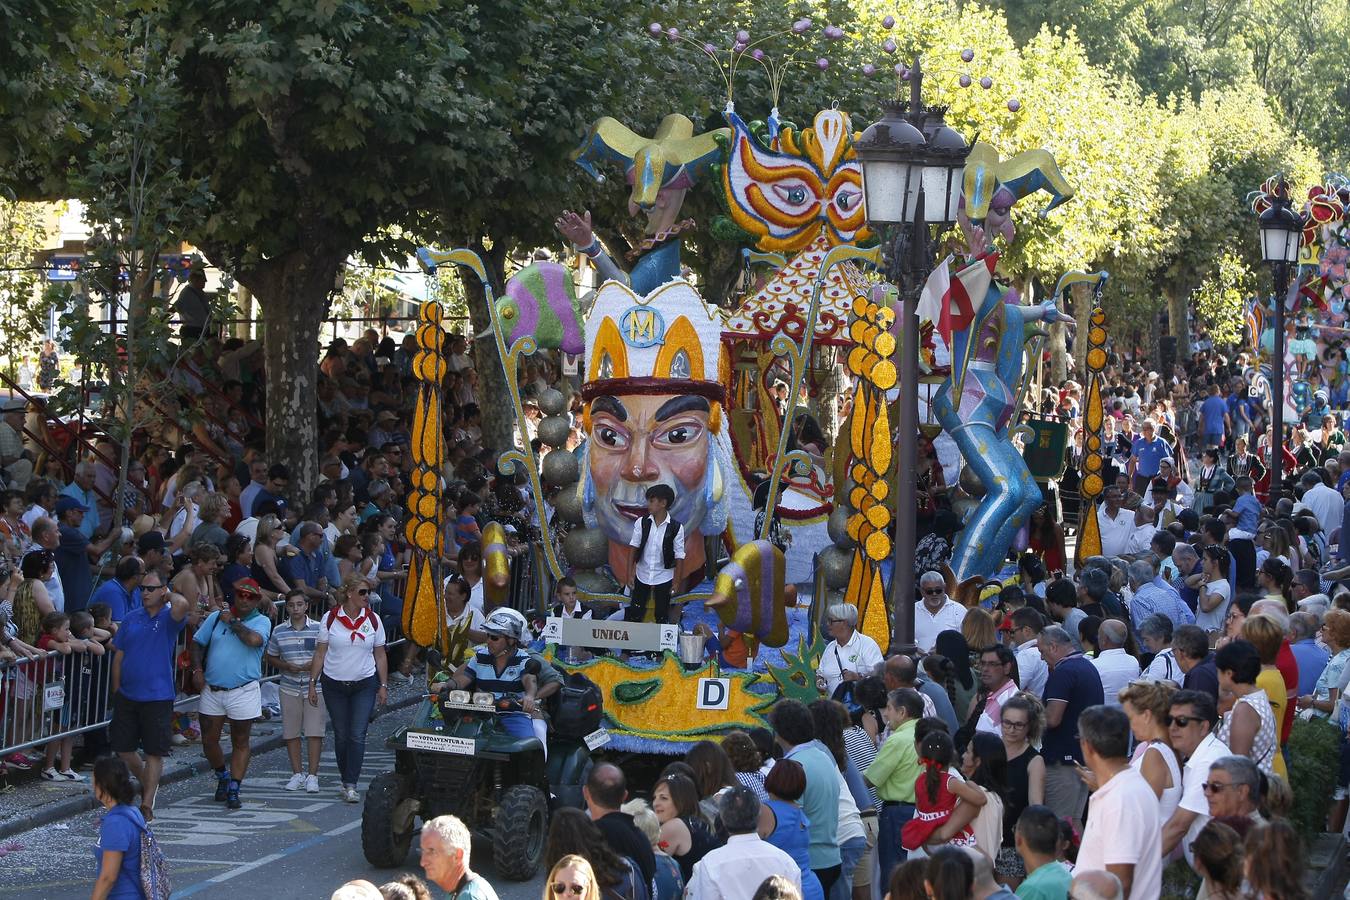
[
  {"x": 608, "y": 875},
  {"x": 572, "y": 878},
  {"x": 350, "y": 664}
]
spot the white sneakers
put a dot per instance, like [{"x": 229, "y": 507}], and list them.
[
  {"x": 300, "y": 780},
  {"x": 349, "y": 794},
  {"x": 50, "y": 774}
]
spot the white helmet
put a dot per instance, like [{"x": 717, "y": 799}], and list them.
[{"x": 506, "y": 621}]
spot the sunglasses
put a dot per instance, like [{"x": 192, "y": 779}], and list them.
[
  {"x": 1184, "y": 721},
  {"x": 932, "y": 591},
  {"x": 560, "y": 888},
  {"x": 1215, "y": 787},
  {"x": 361, "y": 592},
  {"x": 496, "y": 637}
]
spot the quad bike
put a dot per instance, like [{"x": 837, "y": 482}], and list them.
[{"x": 455, "y": 759}]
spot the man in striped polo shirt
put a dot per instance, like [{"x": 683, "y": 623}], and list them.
[{"x": 290, "y": 650}]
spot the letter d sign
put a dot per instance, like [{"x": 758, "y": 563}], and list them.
[{"x": 714, "y": 693}]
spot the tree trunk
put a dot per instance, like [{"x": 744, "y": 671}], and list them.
[
  {"x": 498, "y": 413},
  {"x": 1082, "y": 315},
  {"x": 293, "y": 295},
  {"x": 1059, "y": 353},
  {"x": 1176, "y": 319}
]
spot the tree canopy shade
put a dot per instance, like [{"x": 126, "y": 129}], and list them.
[
  {"x": 1293, "y": 49},
  {"x": 324, "y": 129},
  {"x": 317, "y": 126}
]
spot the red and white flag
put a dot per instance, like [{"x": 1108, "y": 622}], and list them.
[{"x": 950, "y": 303}]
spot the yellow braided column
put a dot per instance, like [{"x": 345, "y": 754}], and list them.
[
  {"x": 423, "y": 616},
  {"x": 1090, "y": 484},
  {"x": 870, "y": 449}
]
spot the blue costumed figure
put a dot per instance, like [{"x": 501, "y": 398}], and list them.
[{"x": 975, "y": 407}]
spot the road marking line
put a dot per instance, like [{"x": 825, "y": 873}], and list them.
[{"x": 270, "y": 858}]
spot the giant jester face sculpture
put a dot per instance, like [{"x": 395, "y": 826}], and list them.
[{"x": 806, "y": 183}]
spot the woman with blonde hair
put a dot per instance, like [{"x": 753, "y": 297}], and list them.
[
  {"x": 571, "y": 878},
  {"x": 669, "y": 882},
  {"x": 351, "y": 665},
  {"x": 1147, "y": 704},
  {"x": 979, "y": 629},
  {"x": 1266, "y": 633}
]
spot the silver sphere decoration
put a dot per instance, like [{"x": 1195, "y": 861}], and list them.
[
  {"x": 837, "y": 526},
  {"x": 553, "y": 430},
  {"x": 586, "y": 548},
  {"x": 595, "y": 583},
  {"x": 561, "y": 467},
  {"x": 970, "y": 482},
  {"x": 568, "y": 505},
  {"x": 836, "y": 565},
  {"x": 551, "y": 402}
]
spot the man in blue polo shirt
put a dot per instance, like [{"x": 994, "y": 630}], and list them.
[
  {"x": 1146, "y": 455},
  {"x": 1214, "y": 418},
  {"x": 76, "y": 554},
  {"x": 1072, "y": 686},
  {"x": 227, "y": 654},
  {"x": 123, "y": 592},
  {"x": 142, "y": 684}
]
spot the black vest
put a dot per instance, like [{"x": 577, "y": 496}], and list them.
[{"x": 667, "y": 545}]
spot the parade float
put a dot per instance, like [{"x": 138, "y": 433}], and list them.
[
  {"x": 678, "y": 391},
  {"x": 1314, "y": 362}
]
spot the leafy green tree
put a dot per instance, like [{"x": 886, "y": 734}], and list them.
[
  {"x": 319, "y": 127},
  {"x": 137, "y": 202},
  {"x": 23, "y": 233},
  {"x": 1219, "y": 298}
]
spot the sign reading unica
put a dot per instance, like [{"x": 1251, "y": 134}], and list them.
[{"x": 611, "y": 634}]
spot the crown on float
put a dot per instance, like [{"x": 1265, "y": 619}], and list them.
[{"x": 668, "y": 342}]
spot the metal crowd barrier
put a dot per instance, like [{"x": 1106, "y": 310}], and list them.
[{"x": 58, "y": 696}]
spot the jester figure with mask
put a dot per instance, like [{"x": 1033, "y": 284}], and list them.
[
  {"x": 987, "y": 339},
  {"x": 654, "y": 414},
  {"x": 660, "y": 170}
]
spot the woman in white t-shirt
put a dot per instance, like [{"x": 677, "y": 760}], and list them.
[
  {"x": 350, "y": 662},
  {"x": 1216, "y": 593}
]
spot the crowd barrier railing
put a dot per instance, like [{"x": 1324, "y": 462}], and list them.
[{"x": 63, "y": 695}]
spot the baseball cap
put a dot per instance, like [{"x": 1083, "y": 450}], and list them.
[
  {"x": 66, "y": 503},
  {"x": 151, "y": 540},
  {"x": 248, "y": 586}
]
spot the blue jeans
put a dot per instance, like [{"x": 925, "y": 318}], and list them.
[
  {"x": 350, "y": 704},
  {"x": 516, "y": 724},
  {"x": 889, "y": 852},
  {"x": 850, "y": 852}
]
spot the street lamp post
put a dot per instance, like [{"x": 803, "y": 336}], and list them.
[
  {"x": 1281, "y": 231},
  {"x": 911, "y": 165}
]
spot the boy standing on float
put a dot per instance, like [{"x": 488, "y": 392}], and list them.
[{"x": 658, "y": 543}]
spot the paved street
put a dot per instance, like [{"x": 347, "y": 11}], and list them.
[{"x": 281, "y": 844}]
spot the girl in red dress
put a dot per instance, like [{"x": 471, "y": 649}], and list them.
[{"x": 936, "y": 792}]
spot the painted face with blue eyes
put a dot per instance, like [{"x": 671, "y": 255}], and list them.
[{"x": 806, "y": 184}]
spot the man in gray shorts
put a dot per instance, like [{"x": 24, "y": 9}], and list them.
[{"x": 290, "y": 650}]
